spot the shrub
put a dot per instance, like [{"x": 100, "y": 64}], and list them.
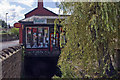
[
  {"x": 4, "y": 32},
  {"x": 14, "y": 31}
]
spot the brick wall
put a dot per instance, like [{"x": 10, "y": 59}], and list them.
[
  {"x": 40, "y": 12},
  {"x": 10, "y": 60}
]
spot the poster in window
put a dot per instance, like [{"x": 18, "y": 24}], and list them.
[
  {"x": 34, "y": 38},
  {"x": 40, "y": 37},
  {"x": 45, "y": 37},
  {"x": 37, "y": 37},
  {"x": 28, "y": 37}
]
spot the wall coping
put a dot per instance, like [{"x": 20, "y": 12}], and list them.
[{"x": 6, "y": 53}]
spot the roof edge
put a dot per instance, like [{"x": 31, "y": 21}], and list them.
[
  {"x": 31, "y": 11},
  {"x": 43, "y": 8}
]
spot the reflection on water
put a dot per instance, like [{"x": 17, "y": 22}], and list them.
[{"x": 41, "y": 67}]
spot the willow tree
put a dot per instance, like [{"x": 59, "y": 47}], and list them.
[{"x": 92, "y": 32}]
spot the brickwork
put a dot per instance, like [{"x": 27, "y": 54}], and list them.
[
  {"x": 11, "y": 62},
  {"x": 40, "y": 11}
]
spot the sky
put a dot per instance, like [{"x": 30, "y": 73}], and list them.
[{"x": 17, "y": 8}]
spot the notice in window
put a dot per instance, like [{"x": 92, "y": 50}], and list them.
[{"x": 29, "y": 36}]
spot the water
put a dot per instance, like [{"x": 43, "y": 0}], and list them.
[{"x": 40, "y": 67}]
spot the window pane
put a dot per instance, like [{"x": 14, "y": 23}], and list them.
[
  {"x": 43, "y": 37},
  {"x": 34, "y": 38},
  {"x": 40, "y": 37},
  {"x": 37, "y": 37},
  {"x": 46, "y": 38},
  {"x": 29, "y": 36}
]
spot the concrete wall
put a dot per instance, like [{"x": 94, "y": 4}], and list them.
[{"x": 10, "y": 62}]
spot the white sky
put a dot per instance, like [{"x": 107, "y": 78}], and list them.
[{"x": 17, "y": 8}]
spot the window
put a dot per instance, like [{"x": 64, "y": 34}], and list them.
[
  {"x": 37, "y": 37},
  {"x": 29, "y": 37},
  {"x": 34, "y": 38},
  {"x": 43, "y": 37}
]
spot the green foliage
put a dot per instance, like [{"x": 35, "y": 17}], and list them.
[
  {"x": 3, "y": 24},
  {"x": 62, "y": 39},
  {"x": 4, "y": 32},
  {"x": 91, "y": 31},
  {"x": 14, "y": 31},
  {"x": 55, "y": 26}
]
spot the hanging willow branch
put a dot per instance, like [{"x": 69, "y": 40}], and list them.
[{"x": 90, "y": 30}]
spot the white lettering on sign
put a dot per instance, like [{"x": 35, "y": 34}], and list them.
[{"x": 40, "y": 21}]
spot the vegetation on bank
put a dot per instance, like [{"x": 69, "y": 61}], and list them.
[
  {"x": 5, "y": 29},
  {"x": 10, "y": 34},
  {"x": 14, "y": 31},
  {"x": 92, "y": 35}
]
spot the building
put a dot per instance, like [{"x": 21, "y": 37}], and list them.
[{"x": 37, "y": 31}]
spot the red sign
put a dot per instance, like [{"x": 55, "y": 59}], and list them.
[
  {"x": 17, "y": 25},
  {"x": 34, "y": 30}
]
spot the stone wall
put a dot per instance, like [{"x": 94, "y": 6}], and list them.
[
  {"x": 10, "y": 60},
  {"x": 118, "y": 59}
]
